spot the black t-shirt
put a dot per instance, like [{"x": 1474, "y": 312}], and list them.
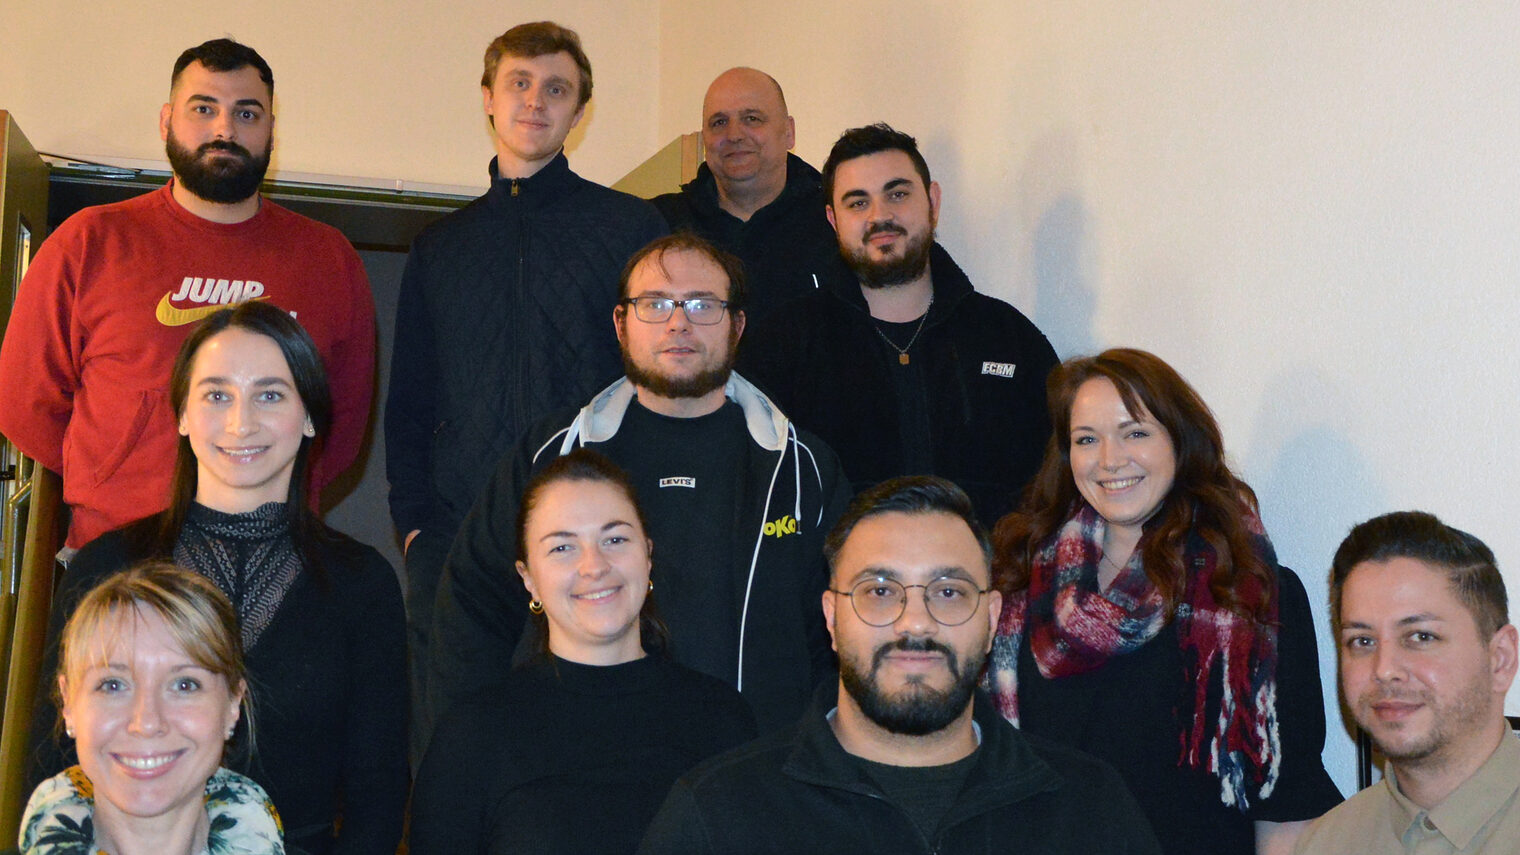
[
  {"x": 686, "y": 472},
  {"x": 912, "y": 392},
  {"x": 925, "y": 793}
]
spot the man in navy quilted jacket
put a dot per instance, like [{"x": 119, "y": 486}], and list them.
[{"x": 502, "y": 317}]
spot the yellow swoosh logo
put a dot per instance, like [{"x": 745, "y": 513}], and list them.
[{"x": 170, "y": 316}]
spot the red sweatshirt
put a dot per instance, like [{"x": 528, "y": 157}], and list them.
[{"x": 101, "y": 313}]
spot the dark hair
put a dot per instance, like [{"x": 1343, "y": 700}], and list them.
[
  {"x": 1467, "y": 562},
  {"x": 871, "y": 139},
  {"x": 685, "y": 240},
  {"x": 585, "y": 465},
  {"x": 1206, "y": 499},
  {"x": 909, "y": 494},
  {"x": 310, "y": 376},
  {"x": 196, "y": 612},
  {"x": 539, "y": 38},
  {"x": 223, "y": 55}
]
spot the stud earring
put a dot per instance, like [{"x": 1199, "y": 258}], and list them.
[
  {"x": 69, "y": 730},
  {"x": 651, "y": 584},
  {"x": 535, "y": 607}
]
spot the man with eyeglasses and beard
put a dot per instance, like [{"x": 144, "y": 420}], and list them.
[
  {"x": 897, "y": 361},
  {"x": 737, "y": 498},
  {"x": 904, "y": 754},
  {"x": 113, "y": 292}
]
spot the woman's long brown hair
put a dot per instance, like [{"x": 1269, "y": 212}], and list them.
[{"x": 1206, "y": 499}]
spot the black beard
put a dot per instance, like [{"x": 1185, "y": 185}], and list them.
[
  {"x": 893, "y": 271},
  {"x": 922, "y": 710},
  {"x": 695, "y": 386},
  {"x": 222, "y": 180}
]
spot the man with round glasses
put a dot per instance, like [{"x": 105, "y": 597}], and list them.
[
  {"x": 737, "y": 498},
  {"x": 904, "y": 755}
]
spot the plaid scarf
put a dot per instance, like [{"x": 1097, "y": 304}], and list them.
[{"x": 1072, "y": 627}]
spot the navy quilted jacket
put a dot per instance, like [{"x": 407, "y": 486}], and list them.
[{"x": 505, "y": 316}]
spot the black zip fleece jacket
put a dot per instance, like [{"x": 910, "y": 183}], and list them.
[
  {"x": 786, "y": 247},
  {"x": 802, "y": 792},
  {"x": 821, "y": 360}
]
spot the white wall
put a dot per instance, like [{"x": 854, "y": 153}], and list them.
[
  {"x": 376, "y": 90},
  {"x": 1310, "y": 209}
]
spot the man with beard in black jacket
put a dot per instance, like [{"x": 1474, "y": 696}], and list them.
[
  {"x": 738, "y": 500},
  {"x": 502, "y": 314},
  {"x": 903, "y": 754},
  {"x": 752, "y": 197},
  {"x": 898, "y": 363}
]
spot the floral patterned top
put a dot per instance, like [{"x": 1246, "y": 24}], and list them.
[{"x": 59, "y": 817}]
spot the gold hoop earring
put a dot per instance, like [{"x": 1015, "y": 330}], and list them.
[{"x": 535, "y": 607}]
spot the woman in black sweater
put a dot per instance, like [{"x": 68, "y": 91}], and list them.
[
  {"x": 320, "y": 614},
  {"x": 576, "y": 752}
]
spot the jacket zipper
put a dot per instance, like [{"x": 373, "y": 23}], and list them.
[
  {"x": 754, "y": 559},
  {"x": 518, "y": 370},
  {"x": 929, "y": 845}
]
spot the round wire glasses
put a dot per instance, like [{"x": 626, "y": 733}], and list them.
[{"x": 880, "y": 601}]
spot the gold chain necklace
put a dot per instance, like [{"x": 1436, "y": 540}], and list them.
[{"x": 902, "y": 352}]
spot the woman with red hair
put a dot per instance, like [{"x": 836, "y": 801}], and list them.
[{"x": 1147, "y": 622}]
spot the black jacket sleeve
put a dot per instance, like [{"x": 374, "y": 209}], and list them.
[
  {"x": 679, "y": 828},
  {"x": 481, "y": 606},
  {"x": 835, "y": 498},
  {"x": 1304, "y": 789},
  {"x": 410, "y": 408},
  {"x": 449, "y": 802},
  {"x": 375, "y": 770}
]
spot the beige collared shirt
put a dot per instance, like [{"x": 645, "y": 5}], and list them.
[{"x": 1481, "y": 817}]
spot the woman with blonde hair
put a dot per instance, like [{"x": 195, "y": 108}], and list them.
[{"x": 150, "y": 685}]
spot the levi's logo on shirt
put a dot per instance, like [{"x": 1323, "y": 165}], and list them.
[{"x": 678, "y": 481}]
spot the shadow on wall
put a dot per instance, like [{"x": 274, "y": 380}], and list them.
[
  {"x": 1066, "y": 304},
  {"x": 1314, "y": 486},
  {"x": 1062, "y": 252},
  {"x": 1316, "y": 483}
]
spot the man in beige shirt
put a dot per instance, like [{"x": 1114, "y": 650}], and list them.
[{"x": 1427, "y": 655}]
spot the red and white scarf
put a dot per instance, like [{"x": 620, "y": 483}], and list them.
[{"x": 1072, "y": 627}]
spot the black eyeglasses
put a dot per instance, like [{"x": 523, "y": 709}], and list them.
[
  {"x": 880, "y": 601},
  {"x": 704, "y": 311}
]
